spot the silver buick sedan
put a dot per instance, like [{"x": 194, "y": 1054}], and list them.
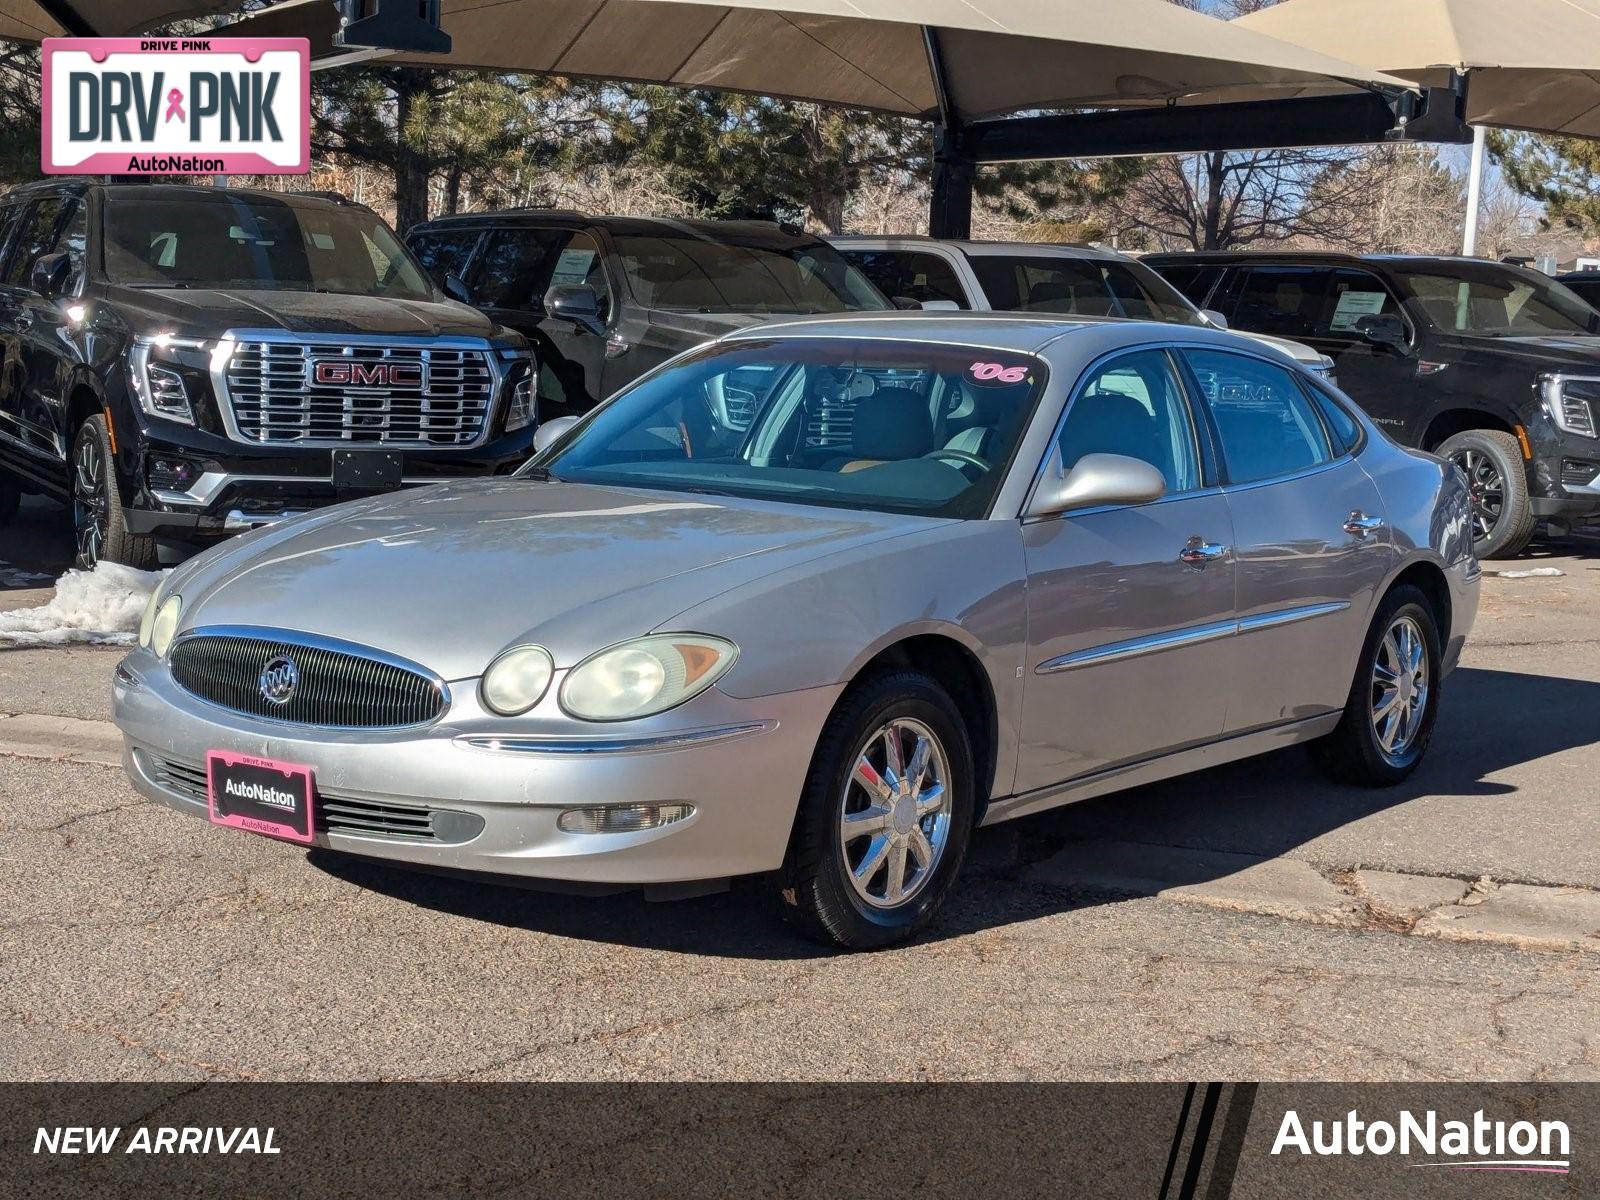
[{"x": 814, "y": 601}]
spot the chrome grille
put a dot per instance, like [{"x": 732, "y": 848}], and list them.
[
  {"x": 336, "y": 813},
  {"x": 337, "y": 688},
  {"x": 276, "y": 401}
]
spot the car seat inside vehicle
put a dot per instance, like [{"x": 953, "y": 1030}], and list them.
[{"x": 892, "y": 424}]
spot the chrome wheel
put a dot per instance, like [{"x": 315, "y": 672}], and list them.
[
  {"x": 1487, "y": 487},
  {"x": 1399, "y": 688},
  {"x": 90, "y": 506},
  {"x": 894, "y": 815}
]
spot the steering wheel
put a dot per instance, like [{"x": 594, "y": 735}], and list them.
[{"x": 961, "y": 456}]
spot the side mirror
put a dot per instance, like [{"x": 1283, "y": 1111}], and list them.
[
  {"x": 575, "y": 302},
  {"x": 452, "y": 286},
  {"x": 1213, "y": 318},
  {"x": 1097, "y": 481},
  {"x": 940, "y": 306},
  {"x": 1386, "y": 330},
  {"x": 49, "y": 275},
  {"x": 551, "y": 432}
]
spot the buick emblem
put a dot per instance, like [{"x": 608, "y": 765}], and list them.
[{"x": 279, "y": 679}]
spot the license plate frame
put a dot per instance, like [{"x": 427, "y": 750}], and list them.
[
  {"x": 367, "y": 470},
  {"x": 290, "y": 819}
]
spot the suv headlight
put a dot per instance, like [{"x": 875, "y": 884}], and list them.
[
  {"x": 645, "y": 676},
  {"x": 1571, "y": 411},
  {"x": 160, "y": 378},
  {"x": 523, "y": 372}
]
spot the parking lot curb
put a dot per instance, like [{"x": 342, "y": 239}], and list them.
[{"x": 63, "y": 739}]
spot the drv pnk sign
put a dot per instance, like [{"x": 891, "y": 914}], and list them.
[{"x": 177, "y": 106}]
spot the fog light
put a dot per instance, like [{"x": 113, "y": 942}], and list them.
[
  {"x": 622, "y": 818},
  {"x": 171, "y": 474}
]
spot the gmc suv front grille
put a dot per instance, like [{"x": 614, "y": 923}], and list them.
[
  {"x": 334, "y": 688},
  {"x": 285, "y": 393}
]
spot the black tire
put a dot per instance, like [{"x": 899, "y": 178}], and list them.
[
  {"x": 97, "y": 505},
  {"x": 10, "y": 497},
  {"x": 1354, "y": 752},
  {"x": 817, "y": 893},
  {"x": 1502, "y": 512}
]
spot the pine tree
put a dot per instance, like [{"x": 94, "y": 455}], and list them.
[{"x": 1562, "y": 173}]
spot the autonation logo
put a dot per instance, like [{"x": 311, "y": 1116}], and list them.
[
  {"x": 261, "y": 793},
  {"x": 1476, "y": 1145}
]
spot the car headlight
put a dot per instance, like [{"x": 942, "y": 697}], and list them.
[
  {"x": 645, "y": 676},
  {"x": 164, "y": 625},
  {"x": 1571, "y": 412},
  {"x": 161, "y": 369},
  {"x": 517, "y": 680}
]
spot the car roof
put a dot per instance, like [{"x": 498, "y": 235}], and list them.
[
  {"x": 761, "y": 232},
  {"x": 904, "y": 241},
  {"x": 1330, "y": 257},
  {"x": 1021, "y": 332},
  {"x": 187, "y": 191}
]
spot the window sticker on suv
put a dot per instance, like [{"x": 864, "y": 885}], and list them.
[
  {"x": 572, "y": 267},
  {"x": 1353, "y": 306}
]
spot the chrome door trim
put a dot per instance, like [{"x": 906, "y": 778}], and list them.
[
  {"x": 1192, "y": 636},
  {"x": 1289, "y": 616},
  {"x": 1138, "y": 647}
]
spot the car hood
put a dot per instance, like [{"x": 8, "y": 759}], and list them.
[
  {"x": 1299, "y": 351},
  {"x": 449, "y": 576},
  {"x": 1550, "y": 351},
  {"x": 197, "y": 312}
]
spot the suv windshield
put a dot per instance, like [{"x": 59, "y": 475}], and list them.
[
  {"x": 1488, "y": 300},
  {"x": 891, "y": 426},
  {"x": 255, "y": 242},
  {"x": 694, "y": 274}
]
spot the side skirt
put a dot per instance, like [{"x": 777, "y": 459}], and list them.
[{"x": 1128, "y": 775}]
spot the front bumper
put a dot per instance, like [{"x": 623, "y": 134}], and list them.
[
  {"x": 429, "y": 798},
  {"x": 237, "y": 487}
]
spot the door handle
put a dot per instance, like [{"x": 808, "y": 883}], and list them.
[
  {"x": 1199, "y": 552},
  {"x": 1358, "y": 524}
]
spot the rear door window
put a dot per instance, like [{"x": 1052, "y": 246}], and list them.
[
  {"x": 1286, "y": 301},
  {"x": 445, "y": 251},
  {"x": 913, "y": 275},
  {"x": 1267, "y": 425}
]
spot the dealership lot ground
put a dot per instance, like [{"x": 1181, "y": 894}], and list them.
[{"x": 1250, "y": 922}]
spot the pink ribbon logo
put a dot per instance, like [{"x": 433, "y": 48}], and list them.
[{"x": 175, "y": 105}]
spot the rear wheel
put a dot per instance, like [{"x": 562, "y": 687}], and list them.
[
  {"x": 1388, "y": 719},
  {"x": 1502, "y": 512},
  {"x": 885, "y": 817},
  {"x": 97, "y": 505}
]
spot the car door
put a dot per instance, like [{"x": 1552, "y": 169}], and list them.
[
  {"x": 29, "y": 399},
  {"x": 517, "y": 266},
  {"x": 1129, "y": 608},
  {"x": 1381, "y": 379},
  {"x": 1310, "y": 538}
]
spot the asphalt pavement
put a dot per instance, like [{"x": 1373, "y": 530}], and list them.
[{"x": 1249, "y": 922}]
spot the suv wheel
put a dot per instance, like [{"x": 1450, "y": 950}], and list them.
[
  {"x": 97, "y": 505},
  {"x": 1502, "y": 513},
  {"x": 10, "y": 497},
  {"x": 1388, "y": 719},
  {"x": 885, "y": 817}
]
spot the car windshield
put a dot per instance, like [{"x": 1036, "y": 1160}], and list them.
[
  {"x": 1080, "y": 287},
  {"x": 696, "y": 274},
  {"x": 884, "y": 425},
  {"x": 255, "y": 243},
  {"x": 1488, "y": 300}
]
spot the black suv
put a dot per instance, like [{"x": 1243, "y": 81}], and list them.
[
  {"x": 604, "y": 299},
  {"x": 184, "y": 362},
  {"x": 1495, "y": 367}
]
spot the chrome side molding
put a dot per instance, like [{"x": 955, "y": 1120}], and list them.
[
  {"x": 601, "y": 744},
  {"x": 1156, "y": 643}
]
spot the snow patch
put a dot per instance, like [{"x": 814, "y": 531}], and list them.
[
  {"x": 101, "y": 607},
  {"x": 1535, "y": 573}
]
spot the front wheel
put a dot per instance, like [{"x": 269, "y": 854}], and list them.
[
  {"x": 97, "y": 505},
  {"x": 1388, "y": 719},
  {"x": 1502, "y": 512},
  {"x": 885, "y": 816}
]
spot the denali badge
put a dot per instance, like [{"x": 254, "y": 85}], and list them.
[
  {"x": 279, "y": 679},
  {"x": 345, "y": 372}
]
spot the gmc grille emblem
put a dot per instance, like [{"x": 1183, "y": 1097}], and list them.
[{"x": 344, "y": 372}]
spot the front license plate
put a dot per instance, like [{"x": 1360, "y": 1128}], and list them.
[
  {"x": 367, "y": 470},
  {"x": 260, "y": 795}
]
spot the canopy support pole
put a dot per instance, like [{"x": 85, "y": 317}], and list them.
[
  {"x": 1480, "y": 145},
  {"x": 950, "y": 205}
]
